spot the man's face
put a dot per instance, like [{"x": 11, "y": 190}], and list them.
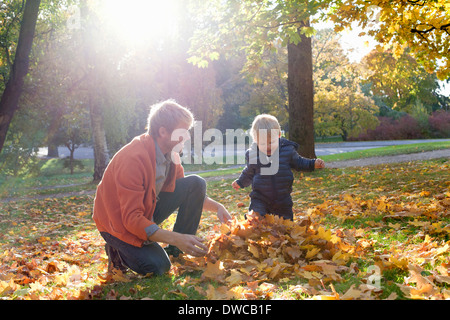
[{"x": 178, "y": 137}]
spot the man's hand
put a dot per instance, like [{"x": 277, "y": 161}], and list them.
[
  {"x": 223, "y": 214},
  {"x": 235, "y": 185},
  {"x": 188, "y": 243},
  {"x": 191, "y": 245},
  {"x": 319, "y": 164}
]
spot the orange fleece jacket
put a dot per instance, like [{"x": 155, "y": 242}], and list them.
[{"x": 126, "y": 199}]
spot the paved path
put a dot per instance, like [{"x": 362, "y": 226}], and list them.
[
  {"x": 338, "y": 164},
  {"x": 321, "y": 148},
  {"x": 342, "y": 147},
  {"x": 428, "y": 155}
]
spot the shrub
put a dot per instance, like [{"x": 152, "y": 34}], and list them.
[
  {"x": 405, "y": 127},
  {"x": 439, "y": 123}
]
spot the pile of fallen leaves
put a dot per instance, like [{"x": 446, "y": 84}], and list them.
[
  {"x": 262, "y": 256},
  {"x": 251, "y": 258}
]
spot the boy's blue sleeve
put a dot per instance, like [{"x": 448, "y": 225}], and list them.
[
  {"x": 301, "y": 164},
  {"x": 246, "y": 177}
]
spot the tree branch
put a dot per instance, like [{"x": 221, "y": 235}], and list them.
[
  {"x": 415, "y": 30},
  {"x": 279, "y": 25},
  {"x": 444, "y": 27},
  {"x": 416, "y": 2}
]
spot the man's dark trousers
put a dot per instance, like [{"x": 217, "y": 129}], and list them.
[{"x": 188, "y": 198}]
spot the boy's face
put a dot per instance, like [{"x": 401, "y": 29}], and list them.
[{"x": 268, "y": 144}]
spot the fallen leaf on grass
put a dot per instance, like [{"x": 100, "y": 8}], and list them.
[{"x": 214, "y": 271}]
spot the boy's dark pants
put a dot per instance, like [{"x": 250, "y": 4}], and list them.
[
  {"x": 283, "y": 209},
  {"x": 188, "y": 198}
]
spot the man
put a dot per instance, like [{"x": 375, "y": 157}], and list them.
[{"x": 142, "y": 186}]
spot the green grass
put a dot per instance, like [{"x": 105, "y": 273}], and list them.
[
  {"x": 389, "y": 151},
  {"x": 163, "y": 287},
  {"x": 60, "y": 220},
  {"x": 53, "y": 178}
]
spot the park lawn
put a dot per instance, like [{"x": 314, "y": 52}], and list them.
[
  {"x": 54, "y": 178},
  {"x": 389, "y": 151},
  {"x": 378, "y": 232}
]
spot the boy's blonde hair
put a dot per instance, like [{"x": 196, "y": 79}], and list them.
[
  {"x": 168, "y": 114},
  {"x": 265, "y": 122}
]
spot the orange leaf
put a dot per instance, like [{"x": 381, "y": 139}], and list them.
[{"x": 214, "y": 270}]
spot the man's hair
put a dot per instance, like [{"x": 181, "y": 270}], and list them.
[
  {"x": 265, "y": 122},
  {"x": 168, "y": 114}
]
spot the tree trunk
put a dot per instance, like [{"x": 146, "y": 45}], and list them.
[
  {"x": 53, "y": 140},
  {"x": 9, "y": 102},
  {"x": 52, "y": 151},
  {"x": 71, "y": 148},
  {"x": 301, "y": 95},
  {"x": 101, "y": 154}
]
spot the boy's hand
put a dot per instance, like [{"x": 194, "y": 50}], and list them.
[
  {"x": 235, "y": 185},
  {"x": 319, "y": 164}
]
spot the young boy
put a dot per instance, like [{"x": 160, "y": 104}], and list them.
[{"x": 270, "y": 161}]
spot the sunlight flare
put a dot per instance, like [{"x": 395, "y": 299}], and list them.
[{"x": 138, "y": 22}]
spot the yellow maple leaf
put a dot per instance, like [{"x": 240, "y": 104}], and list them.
[
  {"x": 442, "y": 250},
  {"x": 61, "y": 279},
  {"x": 220, "y": 293},
  {"x": 235, "y": 278},
  {"x": 36, "y": 286},
  {"x": 325, "y": 297},
  {"x": 381, "y": 204},
  {"x": 352, "y": 293},
  {"x": 326, "y": 235},
  {"x": 401, "y": 263},
  {"x": 424, "y": 193},
  {"x": 297, "y": 232},
  {"x": 312, "y": 253},
  {"x": 293, "y": 252},
  {"x": 340, "y": 257},
  {"x": 253, "y": 250},
  {"x": 6, "y": 286}
]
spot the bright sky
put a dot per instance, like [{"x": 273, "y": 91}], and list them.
[
  {"x": 445, "y": 88},
  {"x": 355, "y": 46},
  {"x": 139, "y": 21}
]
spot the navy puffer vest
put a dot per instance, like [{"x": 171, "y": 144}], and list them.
[{"x": 271, "y": 177}]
